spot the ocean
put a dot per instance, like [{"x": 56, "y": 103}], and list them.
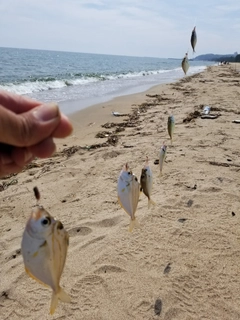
[{"x": 78, "y": 80}]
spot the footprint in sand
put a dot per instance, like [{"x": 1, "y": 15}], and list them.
[
  {"x": 109, "y": 269},
  {"x": 111, "y": 154},
  {"x": 82, "y": 231},
  {"x": 109, "y": 222}
]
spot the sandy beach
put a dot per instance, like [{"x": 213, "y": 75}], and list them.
[{"x": 183, "y": 263}]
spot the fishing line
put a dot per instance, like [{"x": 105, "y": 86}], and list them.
[{"x": 195, "y": 22}]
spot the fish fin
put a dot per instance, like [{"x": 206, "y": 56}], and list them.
[
  {"x": 150, "y": 201},
  {"x": 119, "y": 201},
  {"x": 34, "y": 278},
  {"x": 133, "y": 224},
  {"x": 62, "y": 295}
]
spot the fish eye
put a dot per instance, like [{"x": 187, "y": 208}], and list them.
[{"x": 46, "y": 221}]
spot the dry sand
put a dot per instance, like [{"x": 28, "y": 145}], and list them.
[{"x": 183, "y": 263}]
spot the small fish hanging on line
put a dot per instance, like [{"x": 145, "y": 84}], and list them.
[
  {"x": 171, "y": 126},
  {"x": 194, "y": 39},
  {"x": 146, "y": 181},
  {"x": 128, "y": 189},
  {"x": 162, "y": 157},
  {"x": 44, "y": 249},
  {"x": 185, "y": 64}
]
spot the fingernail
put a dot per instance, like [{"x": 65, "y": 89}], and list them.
[
  {"x": 47, "y": 112},
  {"x": 27, "y": 155}
]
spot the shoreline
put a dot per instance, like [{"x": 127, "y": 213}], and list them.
[
  {"x": 75, "y": 105},
  {"x": 88, "y": 103},
  {"x": 183, "y": 261},
  {"x": 88, "y": 121}
]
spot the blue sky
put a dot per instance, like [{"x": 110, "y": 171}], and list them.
[{"x": 153, "y": 28}]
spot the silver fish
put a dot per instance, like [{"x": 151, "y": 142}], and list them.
[
  {"x": 146, "y": 182},
  {"x": 162, "y": 157},
  {"x": 171, "y": 126},
  {"x": 44, "y": 249},
  {"x": 194, "y": 39},
  {"x": 185, "y": 64},
  {"x": 128, "y": 189}
]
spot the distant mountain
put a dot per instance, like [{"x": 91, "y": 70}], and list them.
[{"x": 217, "y": 57}]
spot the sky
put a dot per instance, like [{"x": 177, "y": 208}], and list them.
[{"x": 151, "y": 28}]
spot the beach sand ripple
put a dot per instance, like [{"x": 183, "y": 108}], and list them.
[{"x": 183, "y": 263}]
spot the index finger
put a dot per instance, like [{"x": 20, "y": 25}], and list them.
[{"x": 17, "y": 103}]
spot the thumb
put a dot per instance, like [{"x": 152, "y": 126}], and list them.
[{"x": 28, "y": 128}]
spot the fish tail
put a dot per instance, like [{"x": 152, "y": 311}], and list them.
[
  {"x": 54, "y": 303},
  {"x": 62, "y": 295},
  {"x": 150, "y": 201},
  {"x": 133, "y": 224}
]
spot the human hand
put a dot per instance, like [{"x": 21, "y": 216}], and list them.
[{"x": 27, "y": 129}]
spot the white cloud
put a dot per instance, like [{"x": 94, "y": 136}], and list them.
[{"x": 130, "y": 27}]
